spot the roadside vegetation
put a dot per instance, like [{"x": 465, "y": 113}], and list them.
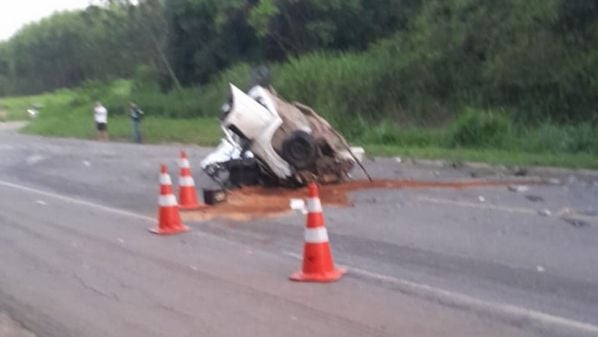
[
  {"x": 511, "y": 82},
  {"x": 490, "y": 138}
]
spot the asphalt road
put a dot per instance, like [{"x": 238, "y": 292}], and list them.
[{"x": 78, "y": 261}]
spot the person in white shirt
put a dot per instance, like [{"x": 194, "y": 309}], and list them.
[{"x": 100, "y": 115}]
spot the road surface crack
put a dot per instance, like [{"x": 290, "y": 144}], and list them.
[{"x": 100, "y": 292}]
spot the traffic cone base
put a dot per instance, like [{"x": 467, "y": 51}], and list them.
[
  {"x": 331, "y": 276},
  {"x": 170, "y": 230},
  {"x": 190, "y": 207}
]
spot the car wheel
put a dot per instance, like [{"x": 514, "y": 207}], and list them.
[{"x": 299, "y": 150}]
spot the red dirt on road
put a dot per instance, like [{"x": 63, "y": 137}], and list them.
[{"x": 260, "y": 202}]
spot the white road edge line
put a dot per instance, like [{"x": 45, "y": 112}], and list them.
[
  {"x": 520, "y": 210},
  {"x": 76, "y": 201},
  {"x": 447, "y": 296},
  {"x": 481, "y": 206}
]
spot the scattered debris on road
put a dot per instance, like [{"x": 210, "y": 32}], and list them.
[
  {"x": 520, "y": 172},
  {"x": 565, "y": 212},
  {"x": 34, "y": 159},
  {"x": 298, "y": 205},
  {"x": 576, "y": 222},
  {"x": 534, "y": 198},
  {"x": 545, "y": 212},
  {"x": 554, "y": 181},
  {"x": 518, "y": 188}
]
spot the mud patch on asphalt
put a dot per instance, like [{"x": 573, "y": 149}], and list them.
[{"x": 252, "y": 203}]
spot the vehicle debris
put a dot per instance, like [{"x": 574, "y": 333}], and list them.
[
  {"x": 565, "y": 211},
  {"x": 269, "y": 141},
  {"x": 545, "y": 212},
  {"x": 520, "y": 172},
  {"x": 554, "y": 181},
  {"x": 214, "y": 196},
  {"x": 298, "y": 205},
  {"x": 534, "y": 198},
  {"x": 518, "y": 188},
  {"x": 576, "y": 222}
]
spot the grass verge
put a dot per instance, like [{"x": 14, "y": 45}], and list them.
[{"x": 200, "y": 130}]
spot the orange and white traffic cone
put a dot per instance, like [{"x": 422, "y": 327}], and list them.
[
  {"x": 318, "y": 265},
  {"x": 168, "y": 213},
  {"x": 187, "y": 192}
]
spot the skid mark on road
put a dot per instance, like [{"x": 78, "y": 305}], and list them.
[
  {"x": 506, "y": 311},
  {"x": 76, "y": 201}
]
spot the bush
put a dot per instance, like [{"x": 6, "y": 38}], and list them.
[
  {"x": 193, "y": 101},
  {"x": 388, "y": 133},
  {"x": 476, "y": 128},
  {"x": 553, "y": 138},
  {"x": 339, "y": 86},
  {"x": 584, "y": 138},
  {"x": 548, "y": 138}
]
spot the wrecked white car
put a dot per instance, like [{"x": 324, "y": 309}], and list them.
[{"x": 270, "y": 141}]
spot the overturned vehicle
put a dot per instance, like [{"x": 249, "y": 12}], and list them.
[{"x": 270, "y": 141}]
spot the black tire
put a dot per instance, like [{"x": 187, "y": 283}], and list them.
[{"x": 300, "y": 150}]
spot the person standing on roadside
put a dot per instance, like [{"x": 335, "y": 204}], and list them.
[
  {"x": 100, "y": 115},
  {"x": 136, "y": 114}
]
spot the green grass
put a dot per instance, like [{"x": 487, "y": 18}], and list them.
[
  {"x": 15, "y": 108},
  {"x": 199, "y": 130},
  {"x": 68, "y": 113}
]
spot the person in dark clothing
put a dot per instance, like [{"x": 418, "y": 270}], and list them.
[{"x": 136, "y": 115}]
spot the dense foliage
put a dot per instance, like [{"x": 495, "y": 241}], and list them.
[{"x": 378, "y": 61}]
